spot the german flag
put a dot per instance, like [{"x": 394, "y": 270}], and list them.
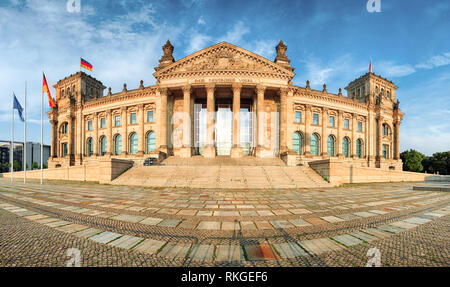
[
  {"x": 85, "y": 64},
  {"x": 45, "y": 89}
]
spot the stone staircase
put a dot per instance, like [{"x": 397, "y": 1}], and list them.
[{"x": 223, "y": 173}]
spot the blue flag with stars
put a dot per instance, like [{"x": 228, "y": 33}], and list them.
[{"x": 18, "y": 107}]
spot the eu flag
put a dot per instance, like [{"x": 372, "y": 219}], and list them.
[{"x": 18, "y": 107}]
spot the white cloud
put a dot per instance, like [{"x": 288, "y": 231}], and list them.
[
  {"x": 236, "y": 34},
  {"x": 390, "y": 69},
  {"x": 201, "y": 21},
  {"x": 197, "y": 42},
  {"x": 435, "y": 61}
]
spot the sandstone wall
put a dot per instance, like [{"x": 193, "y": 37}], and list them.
[
  {"x": 102, "y": 171},
  {"x": 338, "y": 172}
]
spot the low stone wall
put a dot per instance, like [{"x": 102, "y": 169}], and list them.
[
  {"x": 101, "y": 170},
  {"x": 338, "y": 172}
]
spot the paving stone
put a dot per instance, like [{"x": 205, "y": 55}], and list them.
[
  {"x": 260, "y": 252},
  {"x": 403, "y": 224},
  {"x": 204, "y": 213},
  {"x": 105, "y": 237},
  {"x": 126, "y": 241},
  {"x": 175, "y": 250},
  {"x": 434, "y": 214},
  {"x": 36, "y": 217},
  {"x": 299, "y": 211},
  {"x": 151, "y": 221},
  {"x": 281, "y": 212},
  {"x": 263, "y": 225},
  {"x": 209, "y": 225},
  {"x": 248, "y": 213},
  {"x": 248, "y": 225},
  {"x": 128, "y": 218},
  {"x": 227, "y": 225},
  {"x": 390, "y": 228},
  {"x": 265, "y": 212},
  {"x": 229, "y": 253},
  {"x": 188, "y": 212},
  {"x": 281, "y": 224},
  {"x": 47, "y": 220},
  {"x": 377, "y": 232},
  {"x": 289, "y": 250},
  {"x": 365, "y": 214},
  {"x": 321, "y": 245},
  {"x": 332, "y": 219},
  {"x": 417, "y": 220},
  {"x": 378, "y": 211},
  {"x": 149, "y": 246},
  {"x": 347, "y": 240},
  {"x": 316, "y": 221},
  {"x": 88, "y": 232},
  {"x": 348, "y": 216},
  {"x": 58, "y": 223},
  {"x": 169, "y": 222},
  {"x": 363, "y": 236},
  {"x": 202, "y": 252},
  {"x": 71, "y": 228},
  {"x": 299, "y": 222}
]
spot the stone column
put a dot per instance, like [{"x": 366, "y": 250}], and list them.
[
  {"x": 53, "y": 143},
  {"x": 261, "y": 125},
  {"x": 109, "y": 139},
  {"x": 124, "y": 123},
  {"x": 283, "y": 92},
  {"x": 353, "y": 145},
  {"x": 187, "y": 145},
  {"x": 324, "y": 132},
  {"x": 95, "y": 134},
  {"x": 307, "y": 126},
  {"x": 397, "y": 140},
  {"x": 380, "y": 138},
  {"x": 339, "y": 134},
  {"x": 236, "y": 150},
  {"x": 163, "y": 120},
  {"x": 79, "y": 137},
  {"x": 210, "y": 149},
  {"x": 70, "y": 136},
  {"x": 141, "y": 131}
]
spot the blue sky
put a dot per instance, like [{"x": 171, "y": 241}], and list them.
[{"x": 328, "y": 42}]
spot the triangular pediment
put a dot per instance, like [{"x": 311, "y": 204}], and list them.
[{"x": 224, "y": 57}]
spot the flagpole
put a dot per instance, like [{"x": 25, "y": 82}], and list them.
[
  {"x": 42, "y": 133},
  {"x": 11, "y": 149},
  {"x": 25, "y": 139}
]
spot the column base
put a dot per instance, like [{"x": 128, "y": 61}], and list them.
[
  {"x": 308, "y": 154},
  {"x": 124, "y": 154},
  {"x": 260, "y": 152},
  {"x": 185, "y": 152},
  {"x": 163, "y": 149},
  {"x": 209, "y": 151},
  {"x": 236, "y": 152},
  {"x": 140, "y": 153}
]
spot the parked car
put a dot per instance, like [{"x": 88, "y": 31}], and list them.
[{"x": 150, "y": 161}]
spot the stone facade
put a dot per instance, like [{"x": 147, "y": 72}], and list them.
[{"x": 225, "y": 100}]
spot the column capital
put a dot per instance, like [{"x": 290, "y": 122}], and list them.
[
  {"x": 236, "y": 86},
  {"x": 325, "y": 110},
  {"x": 186, "y": 89},
  {"x": 260, "y": 89},
  {"x": 123, "y": 109},
  {"x": 140, "y": 107},
  {"x": 163, "y": 91},
  {"x": 308, "y": 107},
  {"x": 283, "y": 91},
  {"x": 108, "y": 112},
  {"x": 210, "y": 87}
]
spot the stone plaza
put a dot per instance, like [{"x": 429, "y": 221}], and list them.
[{"x": 136, "y": 226}]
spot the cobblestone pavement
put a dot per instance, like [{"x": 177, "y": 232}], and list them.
[{"x": 135, "y": 226}]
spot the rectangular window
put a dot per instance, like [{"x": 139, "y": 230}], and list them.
[
  {"x": 360, "y": 126},
  {"x": 150, "y": 116},
  {"x": 385, "y": 151},
  {"x": 132, "y": 118},
  {"x": 298, "y": 117},
  {"x": 315, "y": 119},
  {"x": 346, "y": 124},
  {"x": 64, "y": 148},
  {"x": 102, "y": 123},
  {"x": 117, "y": 121},
  {"x": 89, "y": 125},
  {"x": 331, "y": 121}
]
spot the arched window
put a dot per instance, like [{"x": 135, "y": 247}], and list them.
[
  {"x": 103, "y": 145},
  {"x": 345, "y": 146},
  {"x": 64, "y": 128},
  {"x": 297, "y": 143},
  {"x": 151, "y": 142},
  {"x": 315, "y": 144},
  {"x": 385, "y": 130},
  {"x": 90, "y": 147},
  {"x": 133, "y": 143},
  {"x": 117, "y": 144},
  {"x": 330, "y": 145},
  {"x": 359, "y": 148}
]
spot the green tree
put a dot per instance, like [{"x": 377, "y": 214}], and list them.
[
  {"x": 412, "y": 160},
  {"x": 45, "y": 166},
  {"x": 34, "y": 165},
  {"x": 16, "y": 165}
]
